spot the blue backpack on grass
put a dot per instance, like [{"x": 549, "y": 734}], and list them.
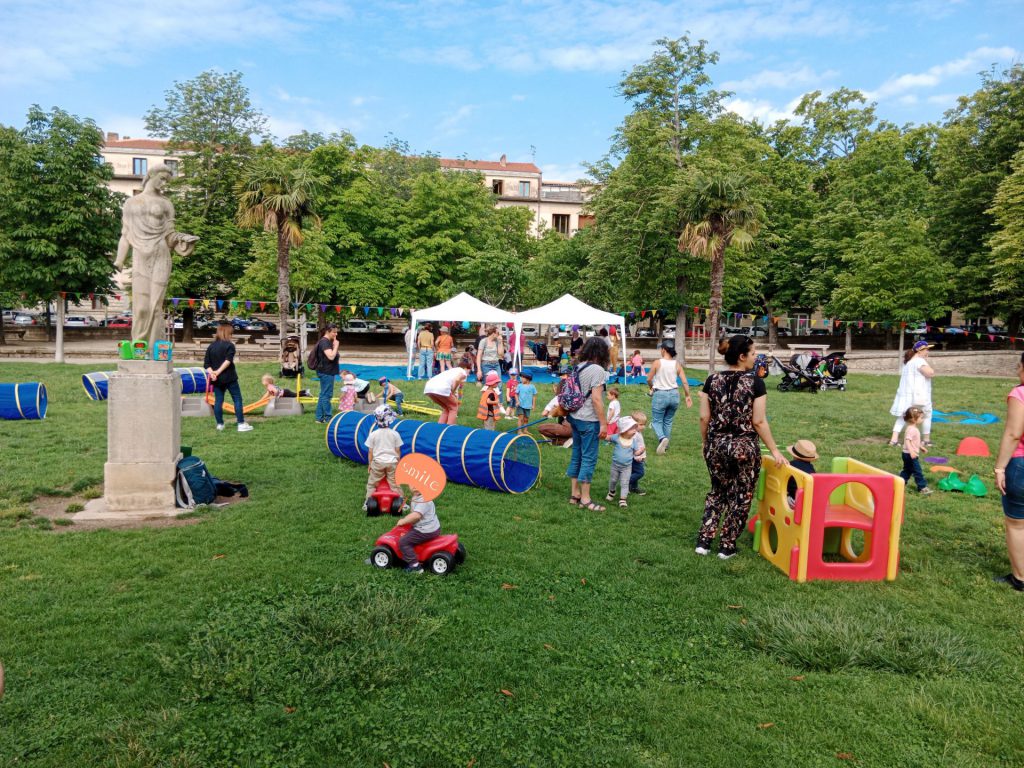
[{"x": 193, "y": 483}]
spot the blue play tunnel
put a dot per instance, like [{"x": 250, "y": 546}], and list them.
[
  {"x": 499, "y": 461},
  {"x": 23, "y": 401},
  {"x": 193, "y": 381}
]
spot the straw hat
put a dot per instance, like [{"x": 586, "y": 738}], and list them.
[{"x": 804, "y": 450}]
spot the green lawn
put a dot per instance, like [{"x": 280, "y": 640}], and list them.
[{"x": 260, "y": 638}]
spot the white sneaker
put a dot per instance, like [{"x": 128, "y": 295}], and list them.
[
  {"x": 662, "y": 445},
  {"x": 726, "y": 555},
  {"x": 245, "y": 426},
  {"x": 220, "y": 427},
  {"x": 702, "y": 551}
]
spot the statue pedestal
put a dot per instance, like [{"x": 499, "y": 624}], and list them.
[{"x": 143, "y": 442}]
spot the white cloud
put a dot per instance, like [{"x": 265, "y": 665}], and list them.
[
  {"x": 562, "y": 171},
  {"x": 933, "y": 76},
  {"x": 517, "y": 97},
  {"x": 286, "y": 97},
  {"x": 454, "y": 56},
  {"x": 453, "y": 123},
  {"x": 758, "y": 109},
  {"x": 769, "y": 79}
]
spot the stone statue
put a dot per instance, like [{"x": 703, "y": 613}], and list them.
[{"x": 147, "y": 227}]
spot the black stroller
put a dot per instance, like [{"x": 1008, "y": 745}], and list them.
[
  {"x": 833, "y": 369},
  {"x": 291, "y": 358},
  {"x": 797, "y": 379}
]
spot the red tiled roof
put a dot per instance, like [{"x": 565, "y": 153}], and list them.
[
  {"x": 489, "y": 165},
  {"x": 136, "y": 144}
]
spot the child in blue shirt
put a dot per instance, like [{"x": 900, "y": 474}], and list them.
[
  {"x": 627, "y": 446},
  {"x": 391, "y": 392},
  {"x": 527, "y": 393}
]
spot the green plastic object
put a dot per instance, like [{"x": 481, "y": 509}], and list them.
[
  {"x": 759, "y": 491},
  {"x": 757, "y": 535},
  {"x": 975, "y": 487},
  {"x": 952, "y": 482},
  {"x": 840, "y": 466},
  {"x": 125, "y": 348}
]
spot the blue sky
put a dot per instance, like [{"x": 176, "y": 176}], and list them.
[{"x": 533, "y": 79}]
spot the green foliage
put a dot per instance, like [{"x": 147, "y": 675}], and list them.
[
  {"x": 310, "y": 266},
  {"x": 59, "y": 222},
  {"x": 498, "y": 273},
  {"x": 1007, "y": 243}
]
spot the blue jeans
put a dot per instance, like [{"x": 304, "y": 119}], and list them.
[
  {"x": 399, "y": 399},
  {"x": 585, "y": 445},
  {"x": 426, "y": 367},
  {"x": 236, "y": 398},
  {"x": 323, "y": 403},
  {"x": 1013, "y": 501},
  {"x": 664, "y": 404},
  {"x": 913, "y": 467},
  {"x": 639, "y": 470},
  {"x": 486, "y": 368}
]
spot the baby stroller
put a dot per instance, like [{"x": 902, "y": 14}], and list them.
[
  {"x": 833, "y": 370},
  {"x": 291, "y": 358},
  {"x": 796, "y": 379}
]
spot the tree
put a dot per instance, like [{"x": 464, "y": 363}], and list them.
[
  {"x": 59, "y": 222},
  {"x": 210, "y": 124},
  {"x": 1007, "y": 243},
  {"x": 497, "y": 273},
  {"x": 276, "y": 192},
  {"x": 719, "y": 212},
  {"x": 310, "y": 264}
]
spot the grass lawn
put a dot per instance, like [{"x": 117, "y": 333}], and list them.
[{"x": 259, "y": 637}]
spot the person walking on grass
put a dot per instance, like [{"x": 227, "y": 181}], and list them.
[
  {"x": 915, "y": 389},
  {"x": 326, "y": 370},
  {"x": 1009, "y": 472},
  {"x": 663, "y": 379},
  {"x": 489, "y": 353},
  {"x": 912, "y": 448},
  {"x": 219, "y": 362},
  {"x": 588, "y": 423},
  {"x": 425, "y": 341},
  {"x": 732, "y": 417}
]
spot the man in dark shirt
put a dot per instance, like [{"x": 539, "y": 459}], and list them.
[
  {"x": 576, "y": 343},
  {"x": 327, "y": 369}
]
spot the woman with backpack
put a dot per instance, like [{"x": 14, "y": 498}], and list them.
[
  {"x": 582, "y": 397},
  {"x": 323, "y": 358}
]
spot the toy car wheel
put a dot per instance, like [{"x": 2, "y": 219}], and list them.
[
  {"x": 396, "y": 506},
  {"x": 440, "y": 564},
  {"x": 460, "y": 554},
  {"x": 382, "y": 557},
  {"x": 372, "y": 507}
]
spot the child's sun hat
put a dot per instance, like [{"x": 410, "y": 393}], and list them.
[
  {"x": 804, "y": 450},
  {"x": 492, "y": 378}
]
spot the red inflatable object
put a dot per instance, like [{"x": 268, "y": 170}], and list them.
[
  {"x": 972, "y": 446},
  {"x": 439, "y": 555}
]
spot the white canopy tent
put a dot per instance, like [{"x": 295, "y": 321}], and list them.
[
  {"x": 462, "y": 307},
  {"x": 568, "y": 310}
]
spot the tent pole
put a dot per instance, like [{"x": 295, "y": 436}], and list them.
[{"x": 412, "y": 346}]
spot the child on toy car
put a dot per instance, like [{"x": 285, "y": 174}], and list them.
[
  {"x": 425, "y": 526},
  {"x": 384, "y": 446}
]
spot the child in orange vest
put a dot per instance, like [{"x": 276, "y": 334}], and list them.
[{"x": 490, "y": 401}]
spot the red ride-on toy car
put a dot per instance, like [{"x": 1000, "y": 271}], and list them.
[
  {"x": 384, "y": 501},
  {"x": 438, "y": 555}
]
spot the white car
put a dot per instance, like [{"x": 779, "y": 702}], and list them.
[
  {"x": 669, "y": 332},
  {"x": 23, "y": 318},
  {"x": 357, "y": 326},
  {"x": 531, "y": 330},
  {"x": 81, "y": 321}
]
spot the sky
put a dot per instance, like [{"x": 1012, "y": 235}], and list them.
[{"x": 534, "y": 80}]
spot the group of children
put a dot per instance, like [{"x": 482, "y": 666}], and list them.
[{"x": 519, "y": 396}]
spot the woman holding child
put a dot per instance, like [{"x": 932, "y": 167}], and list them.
[{"x": 732, "y": 418}]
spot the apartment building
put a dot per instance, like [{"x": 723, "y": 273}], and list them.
[
  {"x": 555, "y": 205},
  {"x": 132, "y": 158}
]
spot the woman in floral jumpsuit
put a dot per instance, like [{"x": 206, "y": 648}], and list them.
[{"x": 732, "y": 417}]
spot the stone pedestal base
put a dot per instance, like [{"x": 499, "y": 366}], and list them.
[
  {"x": 196, "y": 406},
  {"x": 143, "y": 438}
]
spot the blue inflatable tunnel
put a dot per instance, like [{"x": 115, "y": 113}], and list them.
[
  {"x": 193, "y": 381},
  {"x": 23, "y": 401},
  {"x": 498, "y": 461}
]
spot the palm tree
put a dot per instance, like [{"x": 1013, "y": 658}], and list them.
[
  {"x": 718, "y": 211},
  {"x": 277, "y": 192}
]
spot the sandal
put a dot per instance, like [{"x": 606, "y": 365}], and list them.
[
  {"x": 592, "y": 506},
  {"x": 623, "y": 503},
  {"x": 574, "y": 501}
]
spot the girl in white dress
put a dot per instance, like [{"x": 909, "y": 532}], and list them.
[{"x": 915, "y": 389}]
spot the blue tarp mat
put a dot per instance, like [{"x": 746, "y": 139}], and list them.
[
  {"x": 964, "y": 417},
  {"x": 541, "y": 374}
]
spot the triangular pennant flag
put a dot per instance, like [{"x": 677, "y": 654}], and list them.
[
  {"x": 117, "y": 296},
  {"x": 191, "y": 302},
  {"x": 234, "y": 305},
  {"x": 860, "y": 323},
  {"x": 366, "y": 311},
  {"x": 206, "y": 303},
  {"x": 903, "y": 325},
  {"x": 643, "y": 313},
  {"x": 351, "y": 309},
  {"x": 323, "y": 307},
  {"x": 248, "y": 304},
  {"x": 309, "y": 307},
  {"x": 263, "y": 305},
  {"x": 220, "y": 304},
  {"x": 63, "y": 295},
  {"x": 175, "y": 301},
  {"x": 337, "y": 308},
  {"x": 871, "y": 324},
  {"x": 380, "y": 311},
  {"x": 991, "y": 337},
  {"x": 78, "y": 297}
]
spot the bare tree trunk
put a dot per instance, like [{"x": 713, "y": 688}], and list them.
[
  {"x": 849, "y": 338},
  {"x": 2, "y": 339},
  {"x": 59, "y": 354},
  {"x": 283, "y": 278},
  {"x": 899, "y": 360},
  {"x": 682, "y": 284},
  {"x": 715, "y": 303},
  {"x": 773, "y": 329}
]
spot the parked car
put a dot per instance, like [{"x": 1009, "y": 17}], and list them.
[
  {"x": 983, "y": 329},
  {"x": 819, "y": 332},
  {"x": 240, "y": 323},
  {"x": 81, "y": 321},
  {"x": 644, "y": 333},
  {"x": 262, "y": 325},
  {"x": 755, "y": 331},
  {"x": 531, "y": 330},
  {"x": 783, "y": 331},
  {"x": 24, "y": 318},
  {"x": 669, "y": 332},
  {"x": 118, "y": 321},
  {"x": 357, "y": 326},
  {"x": 378, "y": 327}
]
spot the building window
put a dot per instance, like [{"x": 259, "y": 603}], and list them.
[
  {"x": 139, "y": 166},
  {"x": 560, "y": 223},
  {"x": 497, "y": 187},
  {"x": 524, "y": 189},
  {"x": 172, "y": 166}
]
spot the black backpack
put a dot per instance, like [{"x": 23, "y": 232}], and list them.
[{"x": 313, "y": 357}]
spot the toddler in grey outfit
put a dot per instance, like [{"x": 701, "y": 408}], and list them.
[{"x": 626, "y": 446}]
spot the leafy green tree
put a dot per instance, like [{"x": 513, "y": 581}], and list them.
[
  {"x": 719, "y": 212},
  {"x": 444, "y": 223},
  {"x": 561, "y": 266},
  {"x": 210, "y": 124},
  {"x": 276, "y": 192},
  {"x": 1007, "y": 243},
  {"x": 498, "y": 272},
  {"x": 310, "y": 264},
  {"x": 59, "y": 222}
]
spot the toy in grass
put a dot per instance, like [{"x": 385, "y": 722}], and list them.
[
  {"x": 964, "y": 417},
  {"x": 383, "y": 501},
  {"x": 936, "y": 459},
  {"x": 439, "y": 555},
  {"x": 827, "y": 510},
  {"x": 25, "y": 401},
  {"x": 420, "y": 407},
  {"x": 228, "y": 408},
  {"x": 498, "y": 461},
  {"x": 972, "y": 446},
  {"x": 97, "y": 383},
  {"x": 973, "y": 487},
  {"x": 944, "y": 468}
]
